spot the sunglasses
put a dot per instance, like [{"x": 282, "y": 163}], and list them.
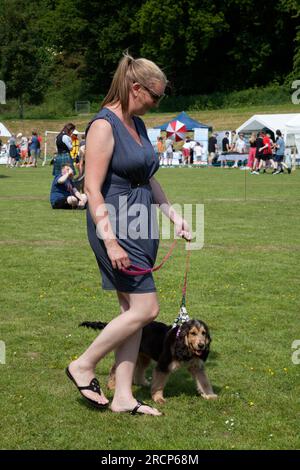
[{"x": 155, "y": 97}]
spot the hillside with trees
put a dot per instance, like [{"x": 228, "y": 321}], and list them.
[{"x": 68, "y": 49}]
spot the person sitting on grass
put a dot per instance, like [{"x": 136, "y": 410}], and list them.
[{"x": 64, "y": 194}]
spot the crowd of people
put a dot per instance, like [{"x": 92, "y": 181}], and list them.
[
  {"x": 68, "y": 161},
  {"x": 265, "y": 152},
  {"x": 191, "y": 152},
  {"x": 24, "y": 151},
  {"x": 259, "y": 151}
]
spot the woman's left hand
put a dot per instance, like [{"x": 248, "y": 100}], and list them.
[{"x": 183, "y": 229}]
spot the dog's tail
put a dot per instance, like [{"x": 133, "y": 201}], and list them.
[{"x": 96, "y": 325}]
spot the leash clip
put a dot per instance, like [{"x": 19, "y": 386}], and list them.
[{"x": 182, "y": 316}]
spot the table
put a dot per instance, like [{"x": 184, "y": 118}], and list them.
[{"x": 232, "y": 156}]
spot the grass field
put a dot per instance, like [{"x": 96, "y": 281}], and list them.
[{"x": 244, "y": 283}]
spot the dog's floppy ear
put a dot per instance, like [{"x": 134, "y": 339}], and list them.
[
  {"x": 185, "y": 328},
  {"x": 183, "y": 353},
  {"x": 205, "y": 353}
]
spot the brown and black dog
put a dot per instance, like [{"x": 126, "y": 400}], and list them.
[{"x": 170, "y": 348}]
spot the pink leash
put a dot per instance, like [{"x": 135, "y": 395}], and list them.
[{"x": 134, "y": 270}]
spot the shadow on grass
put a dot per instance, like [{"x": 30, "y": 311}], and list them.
[
  {"x": 4, "y": 176},
  {"x": 90, "y": 407},
  {"x": 179, "y": 383}
]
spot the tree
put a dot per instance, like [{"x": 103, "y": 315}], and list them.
[
  {"x": 24, "y": 61},
  {"x": 204, "y": 46},
  {"x": 180, "y": 36}
]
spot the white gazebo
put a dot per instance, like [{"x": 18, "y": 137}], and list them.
[
  {"x": 271, "y": 121},
  {"x": 288, "y": 124},
  {"x": 4, "y": 132}
]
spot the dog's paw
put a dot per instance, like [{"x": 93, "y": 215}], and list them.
[
  {"x": 111, "y": 384},
  {"x": 158, "y": 398},
  {"x": 211, "y": 396}
]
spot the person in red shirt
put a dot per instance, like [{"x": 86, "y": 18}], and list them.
[{"x": 266, "y": 150}]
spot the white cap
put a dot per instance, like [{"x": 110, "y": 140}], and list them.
[
  {"x": 19, "y": 135},
  {"x": 75, "y": 132}
]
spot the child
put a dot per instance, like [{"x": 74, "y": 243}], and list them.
[{"x": 63, "y": 193}]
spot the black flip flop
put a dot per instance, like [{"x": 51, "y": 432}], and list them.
[
  {"x": 137, "y": 406},
  {"x": 94, "y": 386}
]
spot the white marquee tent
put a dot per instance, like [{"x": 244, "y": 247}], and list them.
[
  {"x": 4, "y": 132},
  {"x": 273, "y": 122},
  {"x": 292, "y": 132},
  {"x": 289, "y": 124}
]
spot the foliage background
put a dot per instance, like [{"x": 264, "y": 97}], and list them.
[{"x": 66, "y": 50}]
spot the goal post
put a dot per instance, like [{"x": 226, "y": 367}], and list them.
[{"x": 50, "y": 144}]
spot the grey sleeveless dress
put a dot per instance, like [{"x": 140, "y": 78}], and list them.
[{"x": 128, "y": 197}]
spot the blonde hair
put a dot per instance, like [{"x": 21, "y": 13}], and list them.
[{"x": 129, "y": 71}]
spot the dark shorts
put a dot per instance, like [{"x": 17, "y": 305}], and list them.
[
  {"x": 267, "y": 156},
  {"x": 61, "y": 204},
  {"x": 278, "y": 158}
]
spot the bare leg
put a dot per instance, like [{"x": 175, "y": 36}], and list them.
[
  {"x": 139, "y": 373},
  {"x": 83, "y": 201},
  {"x": 126, "y": 356},
  {"x": 143, "y": 309},
  {"x": 72, "y": 201},
  {"x": 124, "y": 306}
]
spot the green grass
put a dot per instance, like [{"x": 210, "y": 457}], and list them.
[{"x": 244, "y": 283}]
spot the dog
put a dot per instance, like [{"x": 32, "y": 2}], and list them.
[{"x": 187, "y": 344}]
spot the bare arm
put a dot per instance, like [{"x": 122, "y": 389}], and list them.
[
  {"x": 63, "y": 178},
  {"x": 160, "y": 198},
  {"x": 99, "y": 150},
  {"x": 264, "y": 147},
  {"x": 81, "y": 158}
]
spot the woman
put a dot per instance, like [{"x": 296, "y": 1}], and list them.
[
  {"x": 252, "y": 151},
  {"x": 34, "y": 145},
  {"x": 12, "y": 152},
  {"x": 64, "y": 147},
  {"x": 120, "y": 164}
]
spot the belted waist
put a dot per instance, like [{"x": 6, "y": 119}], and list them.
[
  {"x": 115, "y": 180},
  {"x": 137, "y": 185}
]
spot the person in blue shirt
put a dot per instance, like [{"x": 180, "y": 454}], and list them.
[
  {"x": 64, "y": 194},
  {"x": 279, "y": 154},
  {"x": 34, "y": 146}
]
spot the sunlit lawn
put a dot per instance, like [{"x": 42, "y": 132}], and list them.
[{"x": 244, "y": 283}]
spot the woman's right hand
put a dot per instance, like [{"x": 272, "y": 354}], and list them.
[{"x": 118, "y": 257}]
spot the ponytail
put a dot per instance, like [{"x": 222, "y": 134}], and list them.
[{"x": 129, "y": 71}]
